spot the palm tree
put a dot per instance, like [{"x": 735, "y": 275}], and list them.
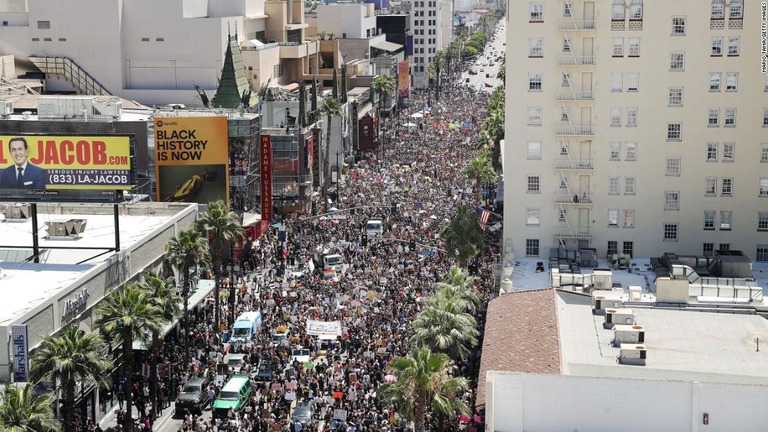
[
  {"x": 480, "y": 170},
  {"x": 463, "y": 235},
  {"x": 445, "y": 326},
  {"x": 330, "y": 109},
  {"x": 23, "y": 411},
  {"x": 184, "y": 252},
  {"x": 423, "y": 382},
  {"x": 383, "y": 86},
  {"x": 221, "y": 226},
  {"x": 67, "y": 359},
  {"x": 129, "y": 314},
  {"x": 164, "y": 295},
  {"x": 460, "y": 285}
]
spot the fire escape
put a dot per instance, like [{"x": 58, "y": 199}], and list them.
[{"x": 576, "y": 98}]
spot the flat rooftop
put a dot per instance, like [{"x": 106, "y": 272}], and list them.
[
  {"x": 681, "y": 345},
  {"x": 28, "y": 284}
]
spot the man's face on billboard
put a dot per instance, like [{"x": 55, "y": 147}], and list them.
[{"x": 19, "y": 152}]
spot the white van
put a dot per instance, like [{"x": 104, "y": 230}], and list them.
[
  {"x": 374, "y": 227},
  {"x": 335, "y": 262},
  {"x": 246, "y": 325}
]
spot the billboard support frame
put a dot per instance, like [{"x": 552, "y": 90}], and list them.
[{"x": 36, "y": 239}]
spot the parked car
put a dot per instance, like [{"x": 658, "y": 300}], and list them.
[
  {"x": 193, "y": 397},
  {"x": 300, "y": 354},
  {"x": 266, "y": 367},
  {"x": 304, "y": 413}
]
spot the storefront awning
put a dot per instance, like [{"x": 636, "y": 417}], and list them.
[
  {"x": 387, "y": 46},
  {"x": 204, "y": 287},
  {"x": 291, "y": 87}
]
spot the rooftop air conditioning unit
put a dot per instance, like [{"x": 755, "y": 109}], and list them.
[
  {"x": 628, "y": 334},
  {"x": 18, "y": 212},
  {"x": 601, "y": 300},
  {"x": 603, "y": 279},
  {"x": 618, "y": 316},
  {"x": 632, "y": 354},
  {"x": 6, "y": 108},
  {"x": 65, "y": 229}
]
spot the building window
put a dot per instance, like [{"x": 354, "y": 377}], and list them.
[
  {"x": 628, "y": 248},
  {"x": 537, "y": 12},
  {"x": 733, "y": 46},
  {"x": 615, "y": 150},
  {"x": 675, "y": 96},
  {"x": 763, "y": 187},
  {"x": 764, "y": 152},
  {"x": 631, "y": 149},
  {"x": 47, "y": 39},
  {"x": 532, "y": 247},
  {"x": 634, "y": 47},
  {"x": 729, "y": 152},
  {"x": 35, "y": 39},
  {"x": 613, "y": 185},
  {"x": 762, "y": 221},
  {"x": 615, "y": 116},
  {"x": 629, "y": 218},
  {"x": 713, "y": 117},
  {"x": 674, "y": 132},
  {"x": 725, "y": 220},
  {"x": 678, "y": 26},
  {"x": 563, "y": 215},
  {"x": 159, "y": 39},
  {"x": 717, "y": 46},
  {"x": 729, "y": 119},
  {"x": 566, "y": 79},
  {"x": 671, "y": 200},
  {"x": 62, "y": 39},
  {"x": 613, "y": 218},
  {"x": 566, "y": 46},
  {"x": 726, "y": 185},
  {"x": 44, "y": 25},
  {"x": 613, "y": 248},
  {"x": 718, "y": 8},
  {"x": 708, "y": 250},
  {"x": 709, "y": 220},
  {"x": 724, "y": 247},
  {"x": 533, "y": 216},
  {"x": 673, "y": 166},
  {"x": 629, "y": 185},
  {"x": 736, "y": 10},
  {"x": 670, "y": 232},
  {"x": 732, "y": 81},
  {"x": 617, "y": 10},
  {"x": 536, "y": 47},
  {"x": 563, "y": 182},
  {"x": 633, "y": 81},
  {"x": 534, "y": 82},
  {"x": 616, "y": 81},
  {"x": 712, "y": 152},
  {"x": 533, "y": 184},
  {"x": 618, "y": 47},
  {"x": 534, "y": 116},
  {"x": 564, "y": 148},
  {"x": 567, "y": 13},
  {"x": 761, "y": 253},
  {"x": 765, "y": 117},
  {"x": 710, "y": 186},
  {"x": 631, "y": 117},
  {"x": 677, "y": 61},
  {"x": 564, "y": 114},
  {"x": 714, "y": 81},
  {"x": 534, "y": 150}
]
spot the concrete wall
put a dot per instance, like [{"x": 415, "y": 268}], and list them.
[
  {"x": 555, "y": 402},
  {"x": 355, "y": 20}
]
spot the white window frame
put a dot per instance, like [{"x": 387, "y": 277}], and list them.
[
  {"x": 564, "y": 115},
  {"x": 566, "y": 79},
  {"x": 710, "y": 186},
  {"x": 713, "y": 117},
  {"x": 718, "y": 9},
  {"x": 762, "y": 221},
  {"x": 631, "y": 151},
  {"x": 765, "y": 116},
  {"x": 677, "y": 61},
  {"x": 729, "y": 152},
  {"x": 613, "y": 185},
  {"x": 633, "y": 81},
  {"x": 536, "y": 12},
  {"x": 632, "y": 117},
  {"x": 534, "y": 184},
  {"x": 614, "y": 151},
  {"x": 726, "y": 220},
  {"x": 563, "y": 215},
  {"x": 615, "y": 116},
  {"x": 736, "y": 10},
  {"x": 536, "y": 47},
  {"x": 534, "y": 150},
  {"x": 731, "y": 81},
  {"x": 532, "y": 247},
  {"x": 629, "y": 218},
  {"x": 726, "y": 186},
  {"x": 674, "y": 132},
  {"x": 713, "y": 150},
  {"x": 734, "y": 46},
  {"x": 635, "y": 10},
  {"x": 678, "y": 25},
  {"x": 717, "y": 46},
  {"x": 618, "y": 11},
  {"x": 630, "y": 185},
  {"x": 671, "y": 200},
  {"x": 618, "y": 47},
  {"x": 709, "y": 219},
  {"x": 764, "y": 152},
  {"x": 616, "y": 81},
  {"x": 671, "y": 232},
  {"x": 568, "y": 10},
  {"x": 535, "y": 116},
  {"x": 762, "y": 187},
  {"x": 567, "y": 45},
  {"x": 533, "y": 216},
  {"x": 729, "y": 117},
  {"x": 633, "y": 49},
  {"x": 715, "y": 81},
  {"x": 613, "y": 218},
  {"x": 673, "y": 166},
  {"x": 535, "y": 81},
  {"x": 675, "y": 97}
]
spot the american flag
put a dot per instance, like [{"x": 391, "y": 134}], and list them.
[{"x": 484, "y": 215}]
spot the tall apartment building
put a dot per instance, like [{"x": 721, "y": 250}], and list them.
[
  {"x": 432, "y": 30},
  {"x": 636, "y": 127}
]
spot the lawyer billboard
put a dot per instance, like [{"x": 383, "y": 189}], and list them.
[
  {"x": 192, "y": 159},
  {"x": 65, "y": 168}
]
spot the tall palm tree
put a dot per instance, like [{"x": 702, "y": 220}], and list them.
[
  {"x": 481, "y": 171},
  {"x": 461, "y": 285},
  {"x": 184, "y": 252},
  {"x": 445, "y": 326},
  {"x": 163, "y": 294},
  {"x": 383, "y": 86},
  {"x": 330, "y": 109},
  {"x": 221, "y": 226},
  {"x": 423, "y": 382},
  {"x": 67, "y": 359},
  {"x": 23, "y": 411},
  {"x": 129, "y": 314},
  {"x": 463, "y": 235}
]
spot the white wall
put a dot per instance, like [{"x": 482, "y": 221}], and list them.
[
  {"x": 560, "y": 403},
  {"x": 356, "y": 20}
]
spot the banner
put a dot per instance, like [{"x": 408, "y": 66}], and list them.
[
  {"x": 324, "y": 328},
  {"x": 366, "y": 127},
  {"x": 266, "y": 177},
  {"x": 309, "y": 152},
  {"x": 20, "y": 352},
  {"x": 192, "y": 159},
  {"x": 403, "y": 79}
]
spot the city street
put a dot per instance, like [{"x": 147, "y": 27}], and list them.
[{"x": 495, "y": 44}]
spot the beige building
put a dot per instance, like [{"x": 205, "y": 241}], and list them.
[{"x": 636, "y": 127}]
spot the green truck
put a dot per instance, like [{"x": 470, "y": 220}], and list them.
[{"x": 233, "y": 395}]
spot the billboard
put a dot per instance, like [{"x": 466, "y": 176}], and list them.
[
  {"x": 266, "y": 177},
  {"x": 366, "y": 133},
  {"x": 403, "y": 80},
  {"x": 65, "y": 168},
  {"x": 20, "y": 352},
  {"x": 191, "y": 159}
]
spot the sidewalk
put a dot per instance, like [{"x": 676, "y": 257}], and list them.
[{"x": 109, "y": 420}]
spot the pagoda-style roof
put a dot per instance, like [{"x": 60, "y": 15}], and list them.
[{"x": 233, "y": 83}]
